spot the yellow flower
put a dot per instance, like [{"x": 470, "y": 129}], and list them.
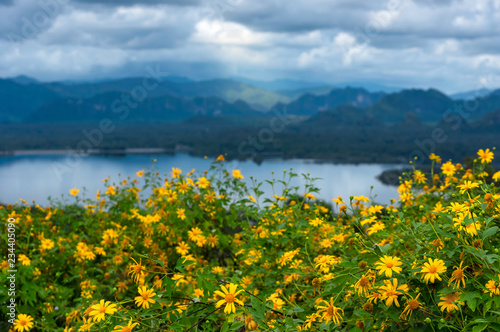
[
  {"x": 128, "y": 328},
  {"x": 198, "y": 293},
  {"x": 145, "y": 297},
  {"x": 229, "y": 295},
  {"x": 137, "y": 270},
  {"x": 411, "y": 305},
  {"x": 101, "y": 309},
  {"x": 448, "y": 168},
  {"x": 237, "y": 174},
  {"x": 493, "y": 287},
  {"x": 203, "y": 182},
  {"x": 388, "y": 264},
  {"x": 87, "y": 324},
  {"x": 182, "y": 248},
  {"x": 213, "y": 240},
  {"x": 432, "y": 269},
  {"x": 175, "y": 172},
  {"x": 365, "y": 283},
  {"x": 140, "y": 173},
  {"x": 111, "y": 191},
  {"x": 447, "y": 301},
  {"x": 330, "y": 312},
  {"x": 74, "y": 191},
  {"x": 435, "y": 158},
  {"x": 338, "y": 200},
  {"x": 458, "y": 276},
  {"x": 496, "y": 176},
  {"x": 419, "y": 177},
  {"x": 486, "y": 156},
  {"x": 220, "y": 158},
  {"x": 23, "y": 323},
  {"x": 24, "y": 260},
  {"x": 391, "y": 291},
  {"x": 47, "y": 244},
  {"x": 194, "y": 234},
  {"x": 180, "y": 214},
  {"x": 467, "y": 185}
]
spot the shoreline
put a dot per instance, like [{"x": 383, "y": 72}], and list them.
[{"x": 184, "y": 150}]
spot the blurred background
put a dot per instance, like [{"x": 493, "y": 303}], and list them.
[{"x": 344, "y": 90}]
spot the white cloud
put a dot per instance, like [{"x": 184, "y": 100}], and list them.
[{"x": 447, "y": 44}]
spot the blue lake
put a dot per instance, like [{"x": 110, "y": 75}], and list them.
[{"x": 36, "y": 177}]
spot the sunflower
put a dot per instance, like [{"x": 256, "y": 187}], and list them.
[
  {"x": 365, "y": 283},
  {"x": 493, "y": 287},
  {"x": 23, "y": 323},
  {"x": 447, "y": 301},
  {"x": 182, "y": 248},
  {"x": 137, "y": 270},
  {"x": 128, "y": 328},
  {"x": 229, "y": 295},
  {"x": 145, "y": 297},
  {"x": 330, "y": 312},
  {"x": 432, "y": 269},
  {"x": 390, "y": 292},
  {"x": 458, "y": 276},
  {"x": 448, "y": 168},
  {"x": 100, "y": 310},
  {"x": 237, "y": 174},
  {"x": 411, "y": 305},
  {"x": 486, "y": 156},
  {"x": 388, "y": 264}
]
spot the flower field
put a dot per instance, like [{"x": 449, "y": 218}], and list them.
[{"x": 206, "y": 252}]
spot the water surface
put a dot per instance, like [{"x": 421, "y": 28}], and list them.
[{"x": 36, "y": 177}]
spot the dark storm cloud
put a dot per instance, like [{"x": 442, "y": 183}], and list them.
[{"x": 301, "y": 16}]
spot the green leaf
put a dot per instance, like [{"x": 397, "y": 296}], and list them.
[
  {"x": 257, "y": 311},
  {"x": 160, "y": 262},
  {"x": 471, "y": 299},
  {"x": 480, "y": 327},
  {"x": 490, "y": 231},
  {"x": 487, "y": 306}
]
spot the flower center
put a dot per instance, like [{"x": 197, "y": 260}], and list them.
[
  {"x": 229, "y": 298},
  {"x": 413, "y": 304},
  {"x": 102, "y": 310},
  {"x": 432, "y": 269},
  {"x": 364, "y": 282},
  {"x": 389, "y": 265},
  {"x": 23, "y": 322},
  {"x": 458, "y": 274},
  {"x": 330, "y": 311}
]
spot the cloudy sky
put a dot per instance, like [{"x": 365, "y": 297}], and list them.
[{"x": 453, "y": 45}]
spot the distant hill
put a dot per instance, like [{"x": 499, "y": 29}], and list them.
[
  {"x": 281, "y": 84},
  {"x": 345, "y": 115},
  {"x": 22, "y": 79},
  {"x": 179, "y": 98},
  {"x": 428, "y": 105},
  {"x": 310, "y": 104},
  {"x": 19, "y": 100},
  {"x": 152, "y": 110},
  {"x": 296, "y": 93},
  {"x": 480, "y": 107},
  {"x": 228, "y": 90},
  {"x": 491, "y": 120},
  {"x": 469, "y": 95}
]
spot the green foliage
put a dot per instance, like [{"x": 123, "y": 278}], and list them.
[{"x": 203, "y": 251}]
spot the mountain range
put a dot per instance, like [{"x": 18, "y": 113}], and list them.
[{"x": 176, "y": 99}]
